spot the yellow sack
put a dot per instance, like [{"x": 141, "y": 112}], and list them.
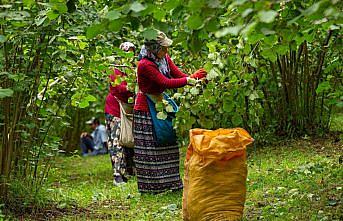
[{"x": 215, "y": 175}]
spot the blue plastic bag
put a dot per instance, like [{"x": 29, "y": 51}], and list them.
[{"x": 163, "y": 129}]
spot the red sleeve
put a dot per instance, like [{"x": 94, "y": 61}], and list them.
[
  {"x": 152, "y": 73},
  {"x": 174, "y": 70}
]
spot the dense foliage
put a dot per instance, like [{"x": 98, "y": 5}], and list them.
[{"x": 275, "y": 68}]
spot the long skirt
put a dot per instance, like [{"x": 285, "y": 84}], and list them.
[
  {"x": 121, "y": 157},
  {"x": 157, "y": 166}
]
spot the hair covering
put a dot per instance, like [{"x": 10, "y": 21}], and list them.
[
  {"x": 125, "y": 46},
  {"x": 152, "y": 47},
  {"x": 163, "y": 40}
]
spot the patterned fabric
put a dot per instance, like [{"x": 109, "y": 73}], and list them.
[
  {"x": 125, "y": 46},
  {"x": 150, "y": 52},
  {"x": 121, "y": 158},
  {"x": 157, "y": 167}
]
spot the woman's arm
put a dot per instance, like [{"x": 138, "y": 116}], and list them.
[
  {"x": 174, "y": 70},
  {"x": 151, "y": 72}
]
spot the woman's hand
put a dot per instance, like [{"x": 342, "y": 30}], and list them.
[{"x": 199, "y": 74}]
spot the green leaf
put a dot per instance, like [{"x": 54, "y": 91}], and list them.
[
  {"x": 247, "y": 12},
  {"x": 237, "y": 120},
  {"x": 228, "y": 106},
  {"x": 267, "y": 16},
  {"x": 229, "y": 30},
  {"x": 40, "y": 21},
  {"x": 194, "y": 91},
  {"x": 255, "y": 37},
  {"x": 323, "y": 87},
  {"x": 309, "y": 36},
  {"x": 314, "y": 8},
  {"x": 212, "y": 25},
  {"x": 159, "y": 14},
  {"x": 150, "y": 34},
  {"x": 169, "y": 108},
  {"x": 212, "y": 48},
  {"x": 214, "y": 3},
  {"x": 334, "y": 27},
  {"x": 281, "y": 49},
  {"x": 52, "y": 15},
  {"x": 195, "y": 5},
  {"x": 29, "y": 3},
  {"x": 171, "y": 4},
  {"x": 248, "y": 29},
  {"x": 206, "y": 123},
  {"x": 212, "y": 74},
  {"x": 117, "y": 81},
  {"x": 162, "y": 115},
  {"x": 115, "y": 25},
  {"x": 271, "y": 39},
  {"x": 159, "y": 106},
  {"x": 6, "y": 6},
  {"x": 268, "y": 53},
  {"x": 83, "y": 104},
  {"x": 253, "y": 96},
  {"x": 94, "y": 30},
  {"x": 267, "y": 31},
  {"x": 5, "y": 92},
  {"x": 90, "y": 98},
  {"x": 194, "y": 22},
  {"x": 2, "y": 39},
  {"x": 59, "y": 6},
  {"x": 137, "y": 7},
  {"x": 113, "y": 15}
]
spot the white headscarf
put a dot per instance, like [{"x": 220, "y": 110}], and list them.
[{"x": 125, "y": 46}]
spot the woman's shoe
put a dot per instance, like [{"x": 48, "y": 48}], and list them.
[{"x": 118, "y": 180}]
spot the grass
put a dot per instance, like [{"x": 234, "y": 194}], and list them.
[
  {"x": 87, "y": 183},
  {"x": 301, "y": 180},
  {"x": 297, "y": 180}
]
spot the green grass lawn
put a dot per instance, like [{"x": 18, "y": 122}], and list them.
[
  {"x": 301, "y": 180},
  {"x": 295, "y": 180}
]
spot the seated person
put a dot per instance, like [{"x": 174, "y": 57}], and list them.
[{"x": 96, "y": 142}]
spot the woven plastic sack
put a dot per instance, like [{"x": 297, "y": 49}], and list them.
[{"x": 215, "y": 175}]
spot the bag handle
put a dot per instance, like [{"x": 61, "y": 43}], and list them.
[{"x": 122, "y": 108}]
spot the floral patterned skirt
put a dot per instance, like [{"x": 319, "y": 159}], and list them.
[
  {"x": 121, "y": 157},
  {"x": 157, "y": 167}
]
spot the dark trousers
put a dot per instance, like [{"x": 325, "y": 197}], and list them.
[{"x": 86, "y": 145}]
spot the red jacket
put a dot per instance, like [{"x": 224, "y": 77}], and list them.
[
  {"x": 152, "y": 81},
  {"x": 120, "y": 91}
]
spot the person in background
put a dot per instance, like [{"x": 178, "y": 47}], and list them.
[
  {"x": 157, "y": 166},
  {"x": 96, "y": 142},
  {"x": 121, "y": 157}
]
